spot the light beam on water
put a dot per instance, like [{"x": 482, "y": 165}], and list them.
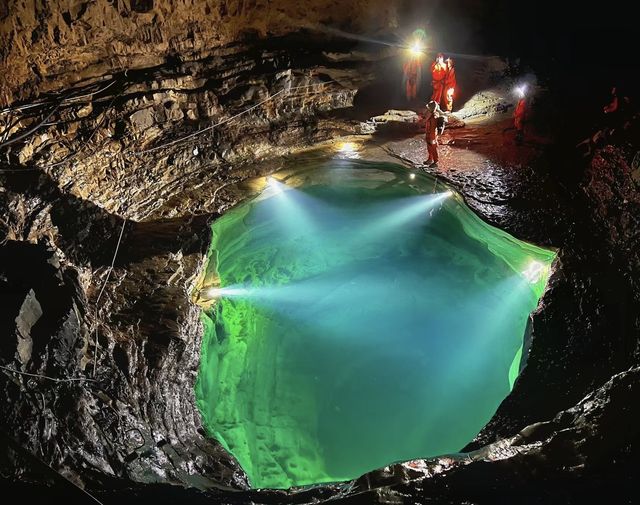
[
  {"x": 359, "y": 325},
  {"x": 292, "y": 208},
  {"x": 402, "y": 212}
]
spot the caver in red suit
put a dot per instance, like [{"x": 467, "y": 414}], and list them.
[
  {"x": 431, "y": 134},
  {"x": 411, "y": 72},
  {"x": 519, "y": 114},
  {"x": 438, "y": 74},
  {"x": 450, "y": 85}
]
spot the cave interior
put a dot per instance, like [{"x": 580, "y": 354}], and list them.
[{"x": 228, "y": 273}]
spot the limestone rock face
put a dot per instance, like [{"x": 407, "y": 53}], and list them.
[
  {"x": 615, "y": 196},
  {"x": 50, "y": 45},
  {"x": 123, "y": 96},
  {"x": 109, "y": 372}
]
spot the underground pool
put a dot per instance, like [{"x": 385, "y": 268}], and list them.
[{"x": 356, "y": 316}]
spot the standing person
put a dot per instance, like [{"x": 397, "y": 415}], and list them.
[
  {"x": 519, "y": 116},
  {"x": 449, "y": 85},
  {"x": 431, "y": 134},
  {"x": 411, "y": 75},
  {"x": 438, "y": 73},
  {"x": 614, "y": 104}
]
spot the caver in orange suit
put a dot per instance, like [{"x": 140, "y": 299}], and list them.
[
  {"x": 519, "y": 116},
  {"x": 432, "y": 137},
  {"x": 450, "y": 85},
  {"x": 411, "y": 69},
  {"x": 438, "y": 74}
]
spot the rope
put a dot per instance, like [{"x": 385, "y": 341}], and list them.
[
  {"x": 187, "y": 137},
  {"x": 46, "y": 376},
  {"x": 64, "y": 100},
  {"x": 224, "y": 121},
  {"x": 104, "y": 285},
  {"x": 29, "y": 132},
  {"x": 90, "y": 94},
  {"x": 22, "y": 107}
]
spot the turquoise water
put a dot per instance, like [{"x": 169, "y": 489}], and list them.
[{"x": 361, "y": 321}]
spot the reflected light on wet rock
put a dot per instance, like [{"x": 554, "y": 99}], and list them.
[
  {"x": 533, "y": 272},
  {"x": 348, "y": 150}
]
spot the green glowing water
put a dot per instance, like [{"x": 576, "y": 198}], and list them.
[{"x": 379, "y": 324}]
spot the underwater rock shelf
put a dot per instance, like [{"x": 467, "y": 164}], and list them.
[{"x": 357, "y": 317}]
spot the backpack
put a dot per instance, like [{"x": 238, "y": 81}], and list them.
[{"x": 440, "y": 122}]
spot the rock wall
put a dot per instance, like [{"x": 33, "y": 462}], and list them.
[
  {"x": 125, "y": 154},
  {"x": 48, "y": 45},
  {"x": 139, "y": 113},
  {"x": 129, "y": 100},
  {"x": 133, "y": 142},
  {"x": 135, "y": 417}
]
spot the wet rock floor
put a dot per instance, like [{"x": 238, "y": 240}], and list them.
[{"x": 503, "y": 181}]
